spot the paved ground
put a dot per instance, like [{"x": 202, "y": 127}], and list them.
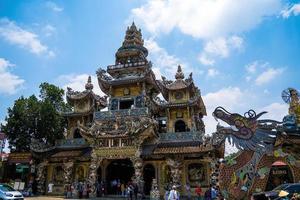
[{"x": 60, "y": 198}]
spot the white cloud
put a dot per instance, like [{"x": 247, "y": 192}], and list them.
[
  {"x": 204, "y": 19},
  {"x": 261, "y": 72},
  {"x": 251, "y": 68},
  {"x": 23, "y": 38},
  {"x": 212, "y": 72},
  {"x": 203, "y": 58},
  {"x": 10, "y": 83},
  {"x": 294, "y": 9},
  {"x": 49, "y": 30},
  {"x": 54, "y": 7},
  {"x": 276, "y": 111},
  {"x": 164, "y": 63},
  {"x": 77, "y": 82},
  {"x": 268, "y": 75},
  {"x": 220, "y": 47}
]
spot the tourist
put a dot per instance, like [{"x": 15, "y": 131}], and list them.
[
  {"x": 167, "y": 193},
  {"x": 130, "y": 191},
  {"x": 80, "y": 190},
  {"x": 119, "y": 187},
  {"x": 50, "y": 187},
  {"x": 174, "y": 195},
  {"x": 214, "y": 193},
  {"x": 198, "y": 192},
  {"x": 207, "y": 194},
  {"x": 135, "y": 190},
  {"x": 188, "y": 190},
  {"x": 122, "y": 189}
]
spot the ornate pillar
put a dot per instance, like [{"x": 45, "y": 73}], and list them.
[
  {"x": 95, "y": 163},
  {"x": 68, "y": 166},
  {"x": 41, "y": 177},
  {"x": 176, "y": 165},
  {"x": 137, "y": 162}
]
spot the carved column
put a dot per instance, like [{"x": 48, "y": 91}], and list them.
[
  {"x": 176, "y": 165},
  {"x": 95, "y": 163},
  {"x": 138, "y": 173},
  {"x": 41, "y": 177},
  {"x": 68, "y": 166}
]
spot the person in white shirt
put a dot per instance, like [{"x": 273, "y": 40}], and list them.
[
  {"x": 173, "y": 195},
  {"x": 50, "y": 187}
]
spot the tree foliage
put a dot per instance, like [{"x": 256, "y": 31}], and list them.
[{"x": 33, "y": 118}]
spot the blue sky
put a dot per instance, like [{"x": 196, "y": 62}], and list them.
[{"x": 242, "y": 53}]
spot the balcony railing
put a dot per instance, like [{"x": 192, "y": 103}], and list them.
[
  {"x": 120, "y": 66},
  {"x": 111, "y": 114},
  {"x": 181, "y": 136},
  {"x": 70, "y": 143}
]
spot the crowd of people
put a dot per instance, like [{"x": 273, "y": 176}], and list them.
[
  {"x": 131, "y": 191},
  {"x": 80, "y": 190},
  {"x": 212, "y": 193}
]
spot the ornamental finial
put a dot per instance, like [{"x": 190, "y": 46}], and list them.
[
  {"x": 89, "y": 85},
  {"x": 179, "y": 74}
]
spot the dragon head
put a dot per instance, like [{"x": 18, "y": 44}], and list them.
[{"x": 242, "y": 127}]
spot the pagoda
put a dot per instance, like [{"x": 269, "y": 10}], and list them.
[{"x": 131, "y": 135}]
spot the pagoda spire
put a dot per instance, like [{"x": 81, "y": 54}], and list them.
[
  {"x": 89, "y": 85},
  {"x": 132, "y": 49},
  {"x": 133, "y": 36},
  {"x": 179, "y": 74}
]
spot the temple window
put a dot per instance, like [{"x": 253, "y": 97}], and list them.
[
  {"x": 180, "y": 126},
  {"x": 162, "y": 125},
  {"x": 115, "y": 142},
  {"x": 126, "y": 104},
  {"x": 114, "y": 104},
  {"x": 77, "y": 133}
]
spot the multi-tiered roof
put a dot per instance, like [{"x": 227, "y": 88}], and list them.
[{"x": 131, "y": 64}]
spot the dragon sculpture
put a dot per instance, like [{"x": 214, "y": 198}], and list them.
[{"x": 249, "y": 134}]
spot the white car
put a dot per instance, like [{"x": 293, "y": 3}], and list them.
[{"x": 9, "y": 193}]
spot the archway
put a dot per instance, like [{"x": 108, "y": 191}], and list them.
[
  {"x": 118, "y": 172},
  {"x": 279, "y": 173},
  {"x": 148, "y": 176},
  {"x": 180, "y": 126}
]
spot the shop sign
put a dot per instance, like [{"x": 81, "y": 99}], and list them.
[{"x": 279, "y": 172}]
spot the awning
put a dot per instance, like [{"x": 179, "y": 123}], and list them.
[
  {"x": 19, "y": 157},
  {"x": 279, "y": 163},
  {"x": 67, "y": 154}
]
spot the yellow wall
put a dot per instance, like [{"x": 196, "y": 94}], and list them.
[
  {"x": 173, "y": 118},
  {"x": 172, "y": 94},
  {"x": 134, "y": 90}
]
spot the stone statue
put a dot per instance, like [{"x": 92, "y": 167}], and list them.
[
  {"x": 68, "y": 169},
  {"x": 154, "y": 193},
  {"x": 176, "y": 170}
]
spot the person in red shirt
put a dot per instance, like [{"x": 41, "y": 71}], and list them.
[{"x": 198, "y": 192}]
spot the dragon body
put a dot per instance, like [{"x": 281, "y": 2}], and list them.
[{"x": 249, "y": 134}]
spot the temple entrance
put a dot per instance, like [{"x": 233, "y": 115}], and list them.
[
  {"x": 99, "y": 174},
  {"x": 280, "y": 173},
  {"x": 148, "y": 175},
  {"x": 180, "y": 126},
  {"x": 118, "y": 172}
]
